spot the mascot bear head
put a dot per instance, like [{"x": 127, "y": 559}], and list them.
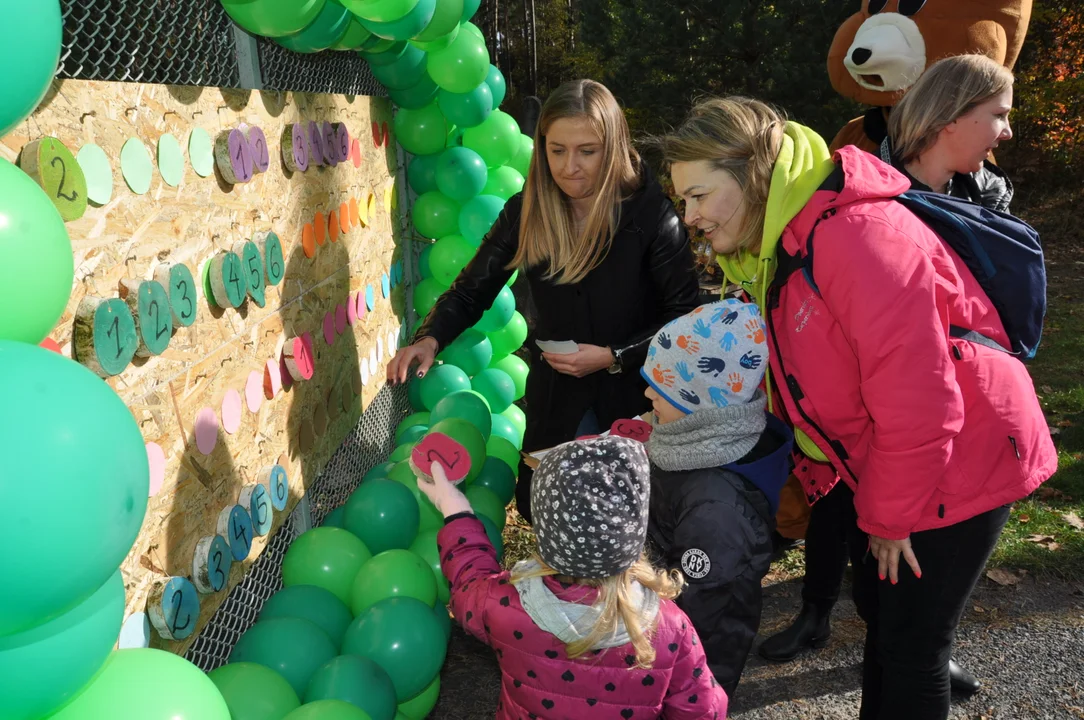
[{"x": 880, "y": 51}]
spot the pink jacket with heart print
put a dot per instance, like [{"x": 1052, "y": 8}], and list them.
[
  {"x": 927, "y": 429},
  {"x": 539, "y": 681}
]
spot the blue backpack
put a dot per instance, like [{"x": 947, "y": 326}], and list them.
[{"x": 1002, "y": 252}]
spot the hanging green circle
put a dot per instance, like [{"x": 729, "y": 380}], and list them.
[
  {"x": 182, "y": 294},
  {"x": 170, "y": 160},
  {"x": 135, "y": 165},
  {"x": 98, "y": 172},
  {"x": 115, "y": 339},
  {"x": 201, "y": 152},
  {"x": 254, "y": 272},
  {"x": 155, "y": 317}
]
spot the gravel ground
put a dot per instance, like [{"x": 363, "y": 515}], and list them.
[{"x": 1025, "y": 643}]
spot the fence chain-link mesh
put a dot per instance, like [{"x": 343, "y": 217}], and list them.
[
  {"x": 332, "y": 71},
  {"x": 366, "y": 446}
]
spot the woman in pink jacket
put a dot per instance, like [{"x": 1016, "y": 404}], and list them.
[
  {"x": 587, "y": 628},
  {"x": 935, "y": 435}
]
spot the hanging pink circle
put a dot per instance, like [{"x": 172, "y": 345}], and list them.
[
  {"x": 272, "y": 379},
  {"x": 206, "y": 430},
  {"x": 340, "y": 319},
  {"x": 351, "y": 310},
  {"x": 157, "y": 460},
  {"x": 231, "y": 411},
  {"x": 286, "y": 379},
  {"x": 254, "y": 392},
  {"x": 361, "y": 306},
  {"x": 329, "y": 329}
]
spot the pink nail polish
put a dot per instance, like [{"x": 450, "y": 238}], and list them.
[
  {"x": 918, "y": 575},
  {"x": 880, "y": 576},
  {"x": 893, "y": 582}
]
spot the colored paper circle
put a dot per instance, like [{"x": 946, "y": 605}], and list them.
[
  {"x": 319, "y": 225},
  {"x": 235, "y": 524},
  {"x": 201, "y": 152},
  {"x": 361, "y": 306},
  {"x": 238, "y": 166},
  {"x": 135, "y": 166},
  {"x": 206, "y": 430},
  {"x": 156, "y": 458},
  {"x": 364, "y": 369},
  {"x": 231, "y": 411},
  {"x": 252, "y": 261},
  {"x": 260, "y": 510},
  {"x": 114, "y": 333},
  {"x": 316, "y": 144},
  {"x": 170, "y": 160},
  {"x": 182, "y": 294},
  {"x": 53, "y": 167},
  {"x": 272, "y": 379},
  {"x": 380, "y": 349},
  {"x": 176, "y": 615},
  {"x": 308, "y": 240},
  {"x": 370, "y": 298},
  {"x": 98, "y": 172},
  {"x": 331, "y": 154},
  {"x": 329, "y": 328},
  {"x": 254, "y": 392},
  {"x": 340, "y": 319},
  {"x": 352, "y": 310},
  {"x": 273, "y": 260},
  {"x": 333, "y": 226},
  {"x": 135, "y": 633},
  {"x": 261, "y": 156},
  {"x": 155, "y": 317},
  {"x": 211, "y": 564},
  {"x": 355, "y": 153},
  {"x": 372, "y": 361},
  {"x": 385, "y": 284},
  {"x": 279, "y": 488}
]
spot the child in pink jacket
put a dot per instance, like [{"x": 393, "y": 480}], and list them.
[{"x": 587, "y": 628}]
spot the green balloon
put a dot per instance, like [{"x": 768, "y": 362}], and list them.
[
  {"x": 521, "y": 160},
  {"x": 130, "y": 687},
  {"x": 466, "y": 405},
  {"x": 504, "y": 451},
  {"x": 374, "y": 44},
  {"x": 455, "y": 136},
  {"x": 312, "y": 603},
  {"x": 328, "y": 710},
  {"x": 414, "y": 386},
  {"x": 517, "y": 369},
  {"x": 385, "y": 57},
  {"x": 496, "y": 140},
  {"x": 410, "y": 439},
  {"x": 273, "y": 18},
  {"x": 449, "y": 256},
  {"x": 467, "y": 435},
  {"x": 419, "y": 706},
  {"x": 45, "y": 666},
  {"x": 378, "y": 471},
  {"x": 444, "y": 618},
  {"x": 442, "y": 380},
  {"x": 334, "y": 518},
  {"x": 355, "y": 35},
  {"x": 422, "y": 174},
  {"x": 404, "y": 72},
  {"x": 358, "y": 681},
  {"x": 494, "y": 534},
  {"x": 438, "y": 44},
  {"x": 383, "y": 515},
  {"x": 461, "y": 173},
  {"x": 417, "y": 96},
  {"x": 496, "y": 387},
  {"x": 394, "y": 573},
  {"x": 254, "y": 692},
  {"x": 507, "y": 429},
  {"x": 478, "y": 215},
  {"x": 412, "y": 420},
  {"x": 470, "y": 7},
  {"x": 512, "y": 280},
  {"x": 35, "y": 276},
  {"x": 497, "y": 477},
  {"x": 485, "y": 502},
  {"x": 467, "y": 109},
  {"x": 461, "y": 66},
  {"x": 327, "y": 557},
  {"x": 401, "y": 452},
  {"x": 503, "y": 182},
  {"x": 471, "y": 352},
  {"x": 497, "y": 86},
  {"x": 445, "y": 20},
  {"x": 405, "y": 27},
  {"x": 518, "y": 419},
  {"x": 510, "y": 337},
  {"x": 328, "y": 28},
  {"x": 422, "y": 131},
  {"x": 425, "y": 547},
  {"x": 435, "y": 214},
  {"x": 499, "y": 313},
  {"x": 292, "y": 647},
  {"x": 380, "y": 10},
  {"x": 423, "y": 263},
  {"x": 430, "y": 518},
  {"x": 403, "y": 474},
  {"x": 103, "y": 502},
  {"x": 32, "y": 35},
  {"x": 404, "y": 637}
]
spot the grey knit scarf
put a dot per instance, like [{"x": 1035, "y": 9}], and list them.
[{"x": 708, "y": 438}]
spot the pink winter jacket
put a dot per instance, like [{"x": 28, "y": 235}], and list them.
[
  {"x": 538, "y": 680},
  {"x": 928, "y": 430}
]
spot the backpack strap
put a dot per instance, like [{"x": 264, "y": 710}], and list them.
[
  {"x": 788, "y": 264},
  {"x": 962, "y": 333}
]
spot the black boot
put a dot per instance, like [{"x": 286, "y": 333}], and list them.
[
  {"x": 812, "y": 628},
  {"x": 961, "y": 680}
]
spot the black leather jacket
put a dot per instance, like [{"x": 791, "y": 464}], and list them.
[{"x": 989, "y": 187}]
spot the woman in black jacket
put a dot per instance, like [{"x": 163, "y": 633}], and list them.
[{"x": 608, "y": 263}]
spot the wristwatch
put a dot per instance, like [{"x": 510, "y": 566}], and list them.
[{"x": 615, "y": 367}]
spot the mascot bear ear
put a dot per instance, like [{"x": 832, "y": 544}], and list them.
[{"x": 879, "y": 52}]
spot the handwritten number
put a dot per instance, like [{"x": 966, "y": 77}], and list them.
[
  {"x": 156, "y": 312},
  {"x": 444, "y": 461},
  {"x": 261, "y": 511},
  {"x": 239, "y": 532},
  {"x": 280, "y": 487},
  {"x": 63, "y": 176},
  {"x": 183, "y": 285},
  {"x": 276, "y": 257},
  {"x": 253, "y": 270},
  {"x": 234, "y": 279},
  {"x": 216, "y": 560},
  {"x": 114, "y": 332},
  {"x": 174, "y": 628}
]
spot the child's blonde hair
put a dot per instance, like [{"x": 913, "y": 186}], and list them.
[{"x": 615, "y": 599}]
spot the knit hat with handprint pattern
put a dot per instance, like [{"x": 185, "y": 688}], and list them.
[{"x": 713, "y": 357}]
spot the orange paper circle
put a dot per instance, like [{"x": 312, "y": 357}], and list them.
[
  {"x": 354, "y": 219},
  {"x": 333, "y": 226},
  {"x": 308, "y": 240},
  {"x": 344, "y": 217}
]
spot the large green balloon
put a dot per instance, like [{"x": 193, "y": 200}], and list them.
[
  {"x": 419, "y": 706},
  {"x": 327, "y": 29},
  {"x": 131, "y": 686},
  {"x": 358, "y": 681},
  {"x": 414, "y": 386},
  {"x": 328, "y": 710},
  {"x": 497, "y": 86},
  {"x": 467, "y": 435},
  {"x": 442, "y": 380},
  {"x": 485, "y": 502},
  {"x": 254, "y": 692},
  {"x": 292, "y": 647},
  {"x": 327, "y": 557},
  {"x": 494, "y": 534},
  {"x": 413, "y": 420},
  {"x": 435, "y": 215},
  {"x": 467, "y": 109},
  {"x": 507, "y": 429},
  {"x": 504, "y": 182},
  {"x": 521, "y": 161},
  {"x": 466, "y": 405},
  {"x": 471, "y": 352},
  {"x": 394, "y": 573},
  {"x": 517, "y": 369},
  {"x": 405, "y": 27},
  {"x": 383, "y": 514},
  {"x": 445, "y": 20},
  {"x": 404, "y": 73},
  {"x": 461, "y": 173},
  {"x": 30, "y": 50},
  {"x": 380, "y": 10},
  {"x": 449, "y": 256},
  {"x": 417, "y": 96},
  {"x": 410, "y": 439},
  {"x": 499, "y": 314},
  {"x": 36, "y": 261},
  {"x": 402, "y": 451},
  {"x": 422, "y": 131},
  {"x": 403, "y": 636},
  {"x": 437, "y": 44},
  {"x": 422, "y": 174},
  {"x": 44, "y": 667},
  {"x": 374, "y": 45},
  {"x": 309, "y": 602},
  {"x": 498, "y": 477},
  {"x": 509, "y": 338},
  {"x": 333, "y": 518},
  {"x": 430, "y": 519},
  {"x": 504, "y": 451},
  {"x": 496, "y": 140},
  {"x": 461, "y": 66},
  {"x": 379, "y": 471},
  {"x": 496, "y": 387},
  {"x": 97, "y": 471},
  {"x": 478, "y": 216},
  {"x": 273, "y": 18},
  {"x": 385, "y": 57},
  {"x": 469, "y": 8},
  {"x": 355, "y": 35},
  {"x": 444, "y": 619},
  {"x": 425, "y": 547},
  {"x": 518, "y": 419}
]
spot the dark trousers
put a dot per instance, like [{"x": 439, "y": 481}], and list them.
[{"x": 826, "y": 554}]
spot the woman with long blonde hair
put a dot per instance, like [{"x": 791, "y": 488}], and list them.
[{"x": 607, "y": 261}]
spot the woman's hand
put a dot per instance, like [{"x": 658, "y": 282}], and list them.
[
  {"x": 588, "y": 359},
  {"x": 888, "y": 553},
  {"x": 423, "y": 352},
  {"x": 444, "y": 496}
]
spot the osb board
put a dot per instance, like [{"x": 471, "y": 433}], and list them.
[{"x": 129, "y": 236}]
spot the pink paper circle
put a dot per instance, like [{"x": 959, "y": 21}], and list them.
[
  {"x": 361, "y": 306},
  {"x": 157, "y": 460},
  {"x": 231, "y": 411},
  {"x": 340, "y": 319},
  {"x": 254, "y": 392},
  {"x": 206, "y": 430},
  {"x": 284, "y": 373},
  {"x": 329, "y": 328},
  {"x": 351, "y": 310},
  {"x": 272, "y": 379}
]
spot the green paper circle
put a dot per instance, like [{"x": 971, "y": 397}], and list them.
[
  {"x": 98, "y": 172},
  {"x": 155, "y": 316},
  {"x": 115, "y": 339},
  {"x": 170, "y": 160},
  {"x": 201, "y": 152},
  {"x": 182, "y": 294},
  {"x": 135, "y": 166}
]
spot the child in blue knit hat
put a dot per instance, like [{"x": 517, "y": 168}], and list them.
[{"x": 719, "y": 460}]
